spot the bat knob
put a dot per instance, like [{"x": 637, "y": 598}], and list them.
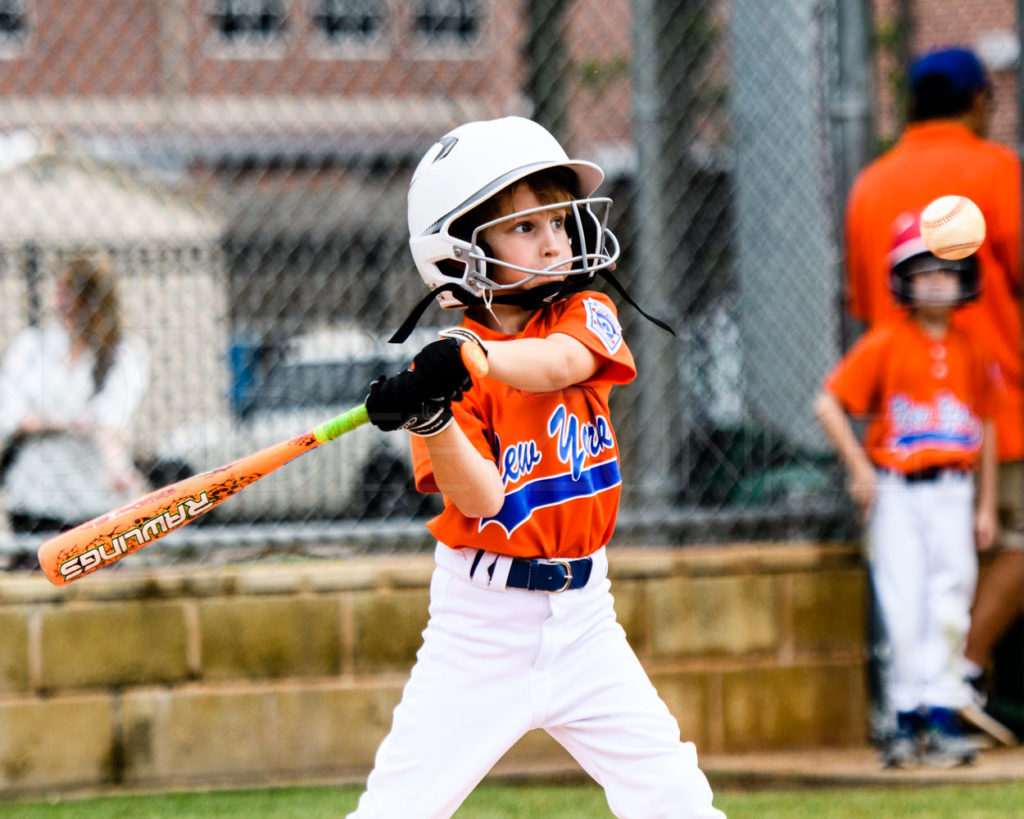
[{"x": 474, "y": 358}]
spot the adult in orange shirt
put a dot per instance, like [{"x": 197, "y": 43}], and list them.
[{"x": 943, "y": 151}]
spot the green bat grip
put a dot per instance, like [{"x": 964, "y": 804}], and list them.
[{"x": 340, "y": 424}]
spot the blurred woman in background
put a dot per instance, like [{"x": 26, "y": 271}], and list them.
[{"x": 69, "y": 390}]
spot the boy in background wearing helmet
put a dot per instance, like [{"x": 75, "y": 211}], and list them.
[
  {"x": 928, "y": 389},
  {"x": 522, "y": 631}
]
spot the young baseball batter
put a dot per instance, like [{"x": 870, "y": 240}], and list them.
[
  {"x": 522, "y": 633},
  {"x": 928, "y": 389}
]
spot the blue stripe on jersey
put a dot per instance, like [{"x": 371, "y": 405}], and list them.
[
  {"x": 937, "y": 439},
  {"x": 520, "y": 504}
]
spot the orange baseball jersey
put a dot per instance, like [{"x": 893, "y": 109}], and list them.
[
  {"x": 925, "y": 399},
  {"x": 556, "y": 451},
  {"x": 932, "y": 159}
]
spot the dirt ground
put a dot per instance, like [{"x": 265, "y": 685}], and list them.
[{"x": 854, "y": 766}]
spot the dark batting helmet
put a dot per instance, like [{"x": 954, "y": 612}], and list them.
[{"x": 909, "y": 256}]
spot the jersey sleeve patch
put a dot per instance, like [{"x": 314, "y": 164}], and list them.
[{"x": 602, "y": 322}]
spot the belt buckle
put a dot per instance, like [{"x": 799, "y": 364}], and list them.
[{"x": 568, "y": 573}]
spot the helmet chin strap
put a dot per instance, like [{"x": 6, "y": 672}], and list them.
[
  {"x": 532, "y": 299},
  {"x": 621, "y": 290}
]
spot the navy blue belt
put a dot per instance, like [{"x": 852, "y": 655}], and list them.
[
  {"x": 553, "y": 576},
  {"x": 929, "y": 474}
]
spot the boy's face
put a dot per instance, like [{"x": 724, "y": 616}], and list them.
[
  {"x": 935, "y": 287},
  {"x": 535, "y": 241}
]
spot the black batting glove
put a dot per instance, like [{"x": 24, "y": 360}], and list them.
[
  {"x": 392, "y": 404},
  {"x": 393, "y": 401},
  {"x": 439, "y": 372},
  {"x": 432, "y": 419},
  {"x": 418, "y": 399}
]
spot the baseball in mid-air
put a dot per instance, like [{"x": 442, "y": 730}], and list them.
[{"x": 952, "y": 227}]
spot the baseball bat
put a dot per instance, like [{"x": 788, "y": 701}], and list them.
[{"x": 106, "y": 539}]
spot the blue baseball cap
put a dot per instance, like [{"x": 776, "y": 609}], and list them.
[{"x": 959, "y": 67}]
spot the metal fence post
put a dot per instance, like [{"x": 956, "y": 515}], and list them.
[
  {"x": 852, "y": 119},
  {"x": 651, "y": 346}
]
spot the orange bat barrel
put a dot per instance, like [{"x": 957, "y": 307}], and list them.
[{"x": 106, "y": 539}]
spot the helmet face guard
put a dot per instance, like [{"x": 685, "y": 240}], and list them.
[
  {"x": 594, "y": 247},
  {"x": 966, "y": 271}
]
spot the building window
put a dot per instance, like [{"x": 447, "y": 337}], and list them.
[
  {"x": 350, "y": 19},
  {"x": 248, "y": 20},
  {"x": 447, "y": 21},
  {"x": 13, "y": 25}
]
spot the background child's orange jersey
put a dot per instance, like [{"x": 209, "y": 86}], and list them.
[
  {"x": 556, "y": 451},
  {"x": 925, "y": 400}
]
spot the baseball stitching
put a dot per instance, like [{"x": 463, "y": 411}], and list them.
[{"x": 948, "y": 216}]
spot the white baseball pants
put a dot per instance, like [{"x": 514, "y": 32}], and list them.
[
  {"x": 496, "y": 663},
  {"x": 925, "y": 567}
]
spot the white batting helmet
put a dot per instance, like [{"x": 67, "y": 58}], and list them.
[{"x": 471, "y": 164}]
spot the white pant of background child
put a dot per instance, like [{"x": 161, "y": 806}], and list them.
[
  {"x": 925, "y": 567},
  {"x": 496, "y": 663}
]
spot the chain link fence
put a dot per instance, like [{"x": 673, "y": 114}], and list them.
[{"x": 244, "y": 164}]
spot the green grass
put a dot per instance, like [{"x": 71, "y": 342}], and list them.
[
  {"x": 987, "y": 801},
  {"x": 502, "y": 801}
]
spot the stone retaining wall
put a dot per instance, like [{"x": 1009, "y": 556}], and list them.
[{"x": 289, "y": 671}]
